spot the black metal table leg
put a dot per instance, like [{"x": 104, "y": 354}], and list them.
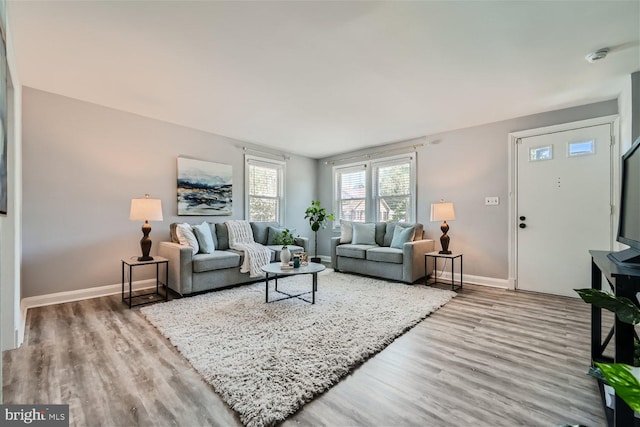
[
  {"x": 460, "y": 272},
  {"x": 166, "y": 281},
  {"x": 266, "y": 287},
  {"x": 315, "y": 287},
  {"x": 130, "y": 293},
  {"x": 123, "y": 281}
]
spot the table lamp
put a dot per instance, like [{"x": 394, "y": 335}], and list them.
[
  {"x": 146, "y": 210},
  {"x": 443, "y": 211}
]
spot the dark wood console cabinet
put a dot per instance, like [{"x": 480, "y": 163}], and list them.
[{"x": 625, "y": 282}]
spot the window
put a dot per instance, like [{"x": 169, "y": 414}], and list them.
[
  {"x": 351, "y": 193},
  {"x": 582, "y": 148},
  {"x": 394, "y": 193},
  {"x": 540, "y": 153},
  {"x": 381, "y": 190},
  {"x": 264, "y": 181}
]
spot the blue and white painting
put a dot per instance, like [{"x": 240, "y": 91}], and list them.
[{"x": 204, "y": 188}]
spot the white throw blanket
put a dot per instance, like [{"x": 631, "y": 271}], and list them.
[{"x": 255, "y": 254}]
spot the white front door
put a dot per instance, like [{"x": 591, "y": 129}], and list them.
[{"x": 563, "y": 207}]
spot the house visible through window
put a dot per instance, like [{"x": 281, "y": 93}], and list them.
[
  {"x": 393, "y": 191},
  {"x": 351, "y": 191},
  {"x": 380, "y": 190},
  {"x": 264, "y": 180}
]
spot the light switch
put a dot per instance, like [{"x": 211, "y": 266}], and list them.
[{"x": 491, "y": 201}]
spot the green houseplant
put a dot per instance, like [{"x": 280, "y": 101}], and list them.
[
  {"x": 284, "y": 238},
  {"x": 318, "y": 218},
  {"x": 618, "y": 375}
]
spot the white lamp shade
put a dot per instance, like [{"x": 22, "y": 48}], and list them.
[
  {"x": 146, "y": 210},
  {"x": 442, "y": 211}
]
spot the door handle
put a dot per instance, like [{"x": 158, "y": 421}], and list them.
[{"x": 523, "y": 225}]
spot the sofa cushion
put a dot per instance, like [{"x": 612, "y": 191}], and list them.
[
  {"x": 401, "y": 236},
  {"x": 383, "y": 254},
  {"x": 346, "y": 231},
  {"x": 381, "y": 229},
  {"x": 274, "y": 232},
  {"x": 353, "y": 251},
  {"x": 212, "y": 226},
  {"x": 260, "y": 231},
  {"x": 172, "y": 232},
  {"x": 205, "y": 241},
  {"x": 187, "y": 237},
  {"x": 364, "y": 234},
  {"x": 215, "y": 261},
  {"x": 391, "y": 226},
  {"x": 222, "y": 233}
]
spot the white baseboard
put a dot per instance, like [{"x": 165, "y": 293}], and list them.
[
  {"x": 325, "y": 258},
  {"x": 70, "y": 296},
  {"x": 80, "y": 294},
  {"x": 477, "y": 280}
]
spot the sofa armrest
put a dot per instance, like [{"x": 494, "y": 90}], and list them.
[
  {"x": 413, "y": 259},
  {"x": 302, "y": 241},
  {"x": 180, "y": 266},
  {"x": 335, "y": 241}
]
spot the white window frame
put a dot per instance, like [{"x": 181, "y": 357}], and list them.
[
  {"x": 280, "y": 166},
  {"x": 392, "y": 161},
  {"x": 370, "y": 167},
  {"x": 353, "y": 167}
]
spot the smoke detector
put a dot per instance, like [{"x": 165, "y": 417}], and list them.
[{"x": 597, "y": 55}]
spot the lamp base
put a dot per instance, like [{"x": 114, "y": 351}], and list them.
[
  {"x": 445, "y": 252},
  {"x": 145, "y": 258}
]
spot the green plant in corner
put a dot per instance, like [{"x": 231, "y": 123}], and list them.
[
  {"x": 618, "y": 375},
  {"x": 318, "y": 218},
  {"x": 284, "y": 238}
]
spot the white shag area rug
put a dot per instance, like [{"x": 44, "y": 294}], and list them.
[{"x": 267, "y": 360}]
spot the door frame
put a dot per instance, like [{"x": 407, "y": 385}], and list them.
[{"x": 512, "y": 141}]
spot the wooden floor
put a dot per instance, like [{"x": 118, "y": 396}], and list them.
[{"x": 488, "y": 358}]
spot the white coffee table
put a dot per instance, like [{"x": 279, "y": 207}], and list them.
[{"x": 275, "y": 269}]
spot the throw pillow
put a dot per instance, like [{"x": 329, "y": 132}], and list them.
[
  {"x": 204, "y": 237},
  {"x": 364, "y": 234},
  {"x": 346, "y": 231},
  {"x": 186, "y": 237},
  {"x": 401, "y": 236},
  {"x": 273, "y": 233}
]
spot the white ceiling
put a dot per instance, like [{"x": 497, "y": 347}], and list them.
[{"x": 319, "y": 78}]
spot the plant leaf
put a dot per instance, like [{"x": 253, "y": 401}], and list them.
[
  {"x": 623, "y": 307},
  {"x": 626, "y": 385}
]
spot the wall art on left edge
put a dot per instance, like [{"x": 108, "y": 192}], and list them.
[{"x": 204, "y": 188}]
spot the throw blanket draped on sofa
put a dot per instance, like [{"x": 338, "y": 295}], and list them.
[{"x": 255, "y": 254}]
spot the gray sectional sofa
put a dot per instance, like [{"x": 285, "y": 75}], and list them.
[
  {"x": 190, "y": 273},
  {"x": 381, "y": 260}
]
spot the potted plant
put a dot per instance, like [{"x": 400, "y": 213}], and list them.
[
  {"x": 618, "y": 375},
  {"x": 284, "y": 238},
  {"x": 318, "y": 218}
]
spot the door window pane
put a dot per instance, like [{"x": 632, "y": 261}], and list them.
[
  {"x": 582, "y": 148},
  {"x": 541, "y": 153}
]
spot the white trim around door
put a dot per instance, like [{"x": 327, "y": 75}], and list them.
[{"x": 513, "y": 138}]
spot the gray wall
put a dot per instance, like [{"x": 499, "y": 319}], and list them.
[
  {"x": 83, "y": 164},
  {"x": 635, "y": 105},
  {"x": 464, "y": 166}
]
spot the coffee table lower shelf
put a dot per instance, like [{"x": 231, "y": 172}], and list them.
[{"x": 274, "y": 271}]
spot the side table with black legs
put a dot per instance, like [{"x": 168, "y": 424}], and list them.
[
  {"x": 133, "y": 262},
  {"x": 435, "y": 255}
]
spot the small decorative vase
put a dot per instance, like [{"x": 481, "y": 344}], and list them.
[{"x": 285, "y": 255}]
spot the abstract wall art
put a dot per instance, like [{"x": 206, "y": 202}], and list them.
[{"x": 204, "y": 188}]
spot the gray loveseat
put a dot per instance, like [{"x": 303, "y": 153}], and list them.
[
  {"x": 381, "y": 260},
  {"x": 190, "y": 273}
]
